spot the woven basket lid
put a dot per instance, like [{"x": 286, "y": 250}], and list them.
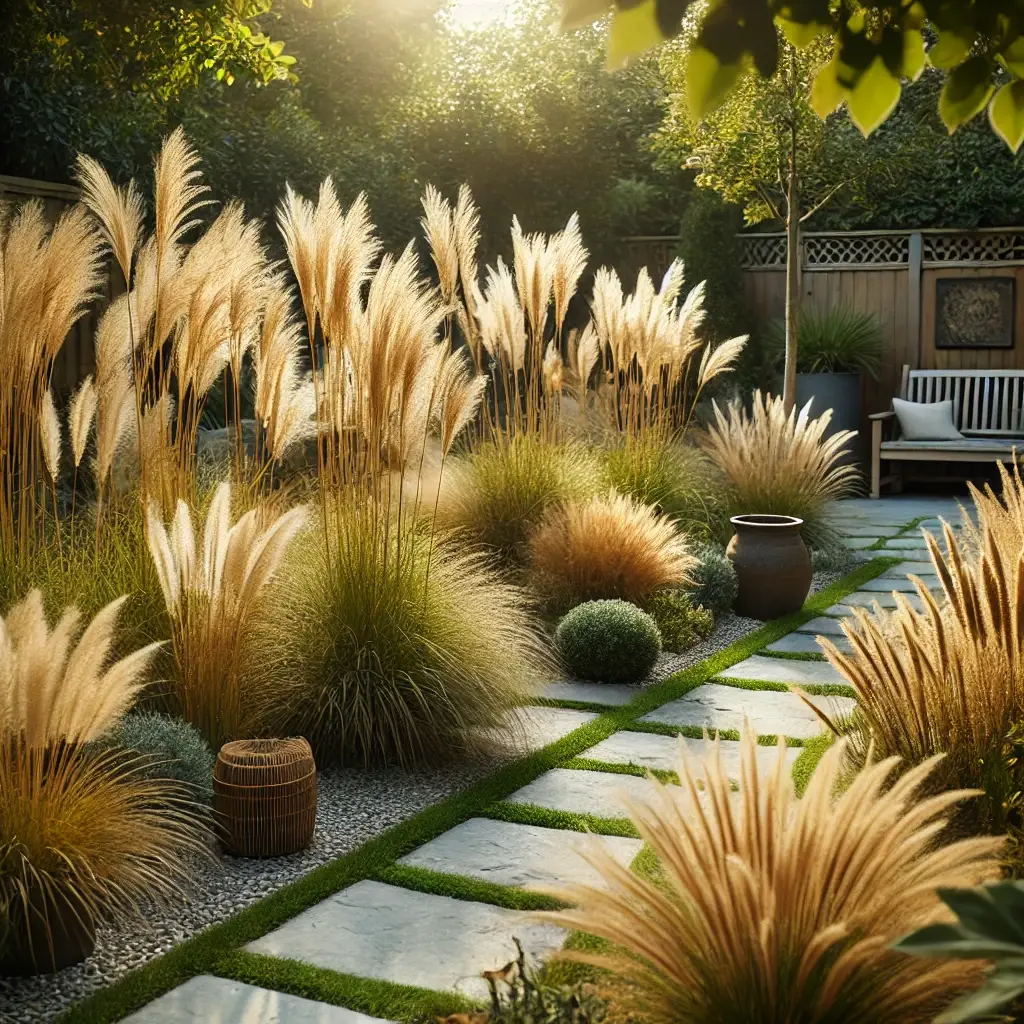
[{"x": 265, "y": 753}]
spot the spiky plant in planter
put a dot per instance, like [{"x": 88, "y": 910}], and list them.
[{"x": 83, "y": 837}]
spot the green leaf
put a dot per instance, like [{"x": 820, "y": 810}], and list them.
[
  {"x": 874, "y": 97},
  {"x": 966, "y": 92},
  {"x": 1012, "y": 57},
  {"x": 797, "y": 34},
  {"x": 949, "y": 50},
  {"x": 708, "y": 81},
  {"x": 826, "y": 91},
  {"x": 579, "y": 13},
  {"x": 914, "y": 58},
  {"x": 633, "y": 30},
  {"x": 997, "y": 990}
]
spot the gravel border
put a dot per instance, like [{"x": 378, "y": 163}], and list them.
[{"x": 353, "y": 807}]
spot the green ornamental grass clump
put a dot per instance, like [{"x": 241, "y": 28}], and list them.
[
  {"x": 610, "y": 641},
  {"x": 171, "y": 749},
  {"x": 714, "y": 579}
]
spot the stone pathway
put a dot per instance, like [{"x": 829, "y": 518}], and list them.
[{"x": 383, "y": 931}]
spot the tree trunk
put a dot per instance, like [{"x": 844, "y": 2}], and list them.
[{"x": 793, "y": 268}]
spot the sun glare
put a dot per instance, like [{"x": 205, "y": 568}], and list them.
[{"x": 479, "y": 12}]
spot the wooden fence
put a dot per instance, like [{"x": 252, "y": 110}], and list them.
[{"x": 896, "y": 275}]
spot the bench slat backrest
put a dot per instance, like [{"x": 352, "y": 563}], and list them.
[{"x": 985, "y": 402}]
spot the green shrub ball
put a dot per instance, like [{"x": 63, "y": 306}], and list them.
[
  {"x": 172, "y": 750},
  {"x": 608, "y": 641}
]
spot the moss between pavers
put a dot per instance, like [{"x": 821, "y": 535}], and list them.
[
  {"x": 808, "y": 759},
  {"x": 462, "y": 887},
  {"x": 568, "y": 821},
  {"x": 217, "y": 949},
  {"x": 791, "y": 655},
  {"x": 816, "y": 689},
  {"x": 696, "y": 732},
  {"x": 589, "y": 764}
]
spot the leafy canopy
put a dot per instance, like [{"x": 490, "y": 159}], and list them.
[{"x": 875, "y": 44}]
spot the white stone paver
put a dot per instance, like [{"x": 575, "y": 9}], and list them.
[
  {"x": 649, "y": 750},
  {"x": 612, "y": 694},
  {"x": 782, "y": 670},
  {"x": 883, "y": 598},
  {"x": 208, "y": 1000},
  {"x": 583, "y": 792},
  {"x": 886, "y": 585},
  {"x": 869, "y": 600},
  {"x": 805, "y": 643},
  {"x": 916, "y": 567},
  {"x": 824, "y": 625},
  {"x": 412, "y": 938},
  {"x": 861, "y": 543},
  {"x": 535, "y": 727},
  {"x": 508, "y": 853},
  {"x": 717, "y": 706}
]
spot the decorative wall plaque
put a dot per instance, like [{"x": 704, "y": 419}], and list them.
[{"x": 974, "y": 312}]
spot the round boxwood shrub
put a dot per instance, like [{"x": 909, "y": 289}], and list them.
[
  {"x": 609, "y": 641},
  {"x": 171, "y": 748},
  {"x": 714, "y": 579}
]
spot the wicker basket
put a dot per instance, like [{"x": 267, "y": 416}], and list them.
[{"x": 264, "y": 794}]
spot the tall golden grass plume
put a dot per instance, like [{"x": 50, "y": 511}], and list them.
[
  {"x": 787, "y": 905},
  {"x": 650, "y": 341},
  {"x": 439, "y": 228},
  {"x": 81, "y": 415},
  {"x": 611, "y": 546},
  {"x": 50, "y": 436},
  {"x": 781, "y": 463},
  {"x": 118, "y": 209},
  {"x": 570, "y": 260},
  {"x": 950, "y": 676},
  {"x": 211, "y": 587},
  {"x": 54, "y": 689},
  {"x": 49, "y": 277}
]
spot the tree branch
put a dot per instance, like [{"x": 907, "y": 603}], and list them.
[{"x": 828, "y": 195}]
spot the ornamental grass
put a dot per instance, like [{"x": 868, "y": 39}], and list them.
[
  {"x": 390, "y": 646},
  {"x": 950, "y": 677},
  {"x": 609, "y": 547},
  {"x": 780, "y": 463},
  {"x": 78, "y": 828},
  {"x": 773, "y": 909}
]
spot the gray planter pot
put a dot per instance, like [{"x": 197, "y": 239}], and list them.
[{"x": 839, "y": 392}]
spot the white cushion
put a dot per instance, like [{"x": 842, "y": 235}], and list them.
[{"x": 926, "y": 421}]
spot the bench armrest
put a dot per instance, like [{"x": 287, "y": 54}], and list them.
[{"x": 882, "y": 415}]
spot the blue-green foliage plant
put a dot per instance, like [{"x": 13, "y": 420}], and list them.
[
  {"x": 169, "y": 748},
  {"x": 714, "y": 579}
]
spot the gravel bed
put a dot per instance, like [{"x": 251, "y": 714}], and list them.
[
  {"x": 353, "y": 807},
  {"x": 728, "y": 629}
]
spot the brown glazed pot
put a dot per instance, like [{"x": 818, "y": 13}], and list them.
[
  {"x": 59, "y": 931},
  {"x": 773, "y": 566}
]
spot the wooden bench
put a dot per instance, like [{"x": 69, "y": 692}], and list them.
[{"x": 988, "y": 407}]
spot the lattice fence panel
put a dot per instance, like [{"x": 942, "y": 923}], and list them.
[
  {"x": 764, "y": 250},
  {"x": 989, "y": 247},
  {"x": 859, "y": 250}
]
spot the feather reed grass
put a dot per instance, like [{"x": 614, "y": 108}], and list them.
[
  {"x": 780, "y": 464},
  {"x": 609, "y": 547},
  {"x": 951, "y": 676},
  {"x": 775, "y": 909}
]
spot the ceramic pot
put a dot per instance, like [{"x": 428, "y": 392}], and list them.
[
  {"x": 773, "y": 566},
  {"x": 59, "y": 932}
]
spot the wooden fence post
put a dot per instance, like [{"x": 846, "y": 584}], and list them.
[{"x": 914, "y": 271}]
